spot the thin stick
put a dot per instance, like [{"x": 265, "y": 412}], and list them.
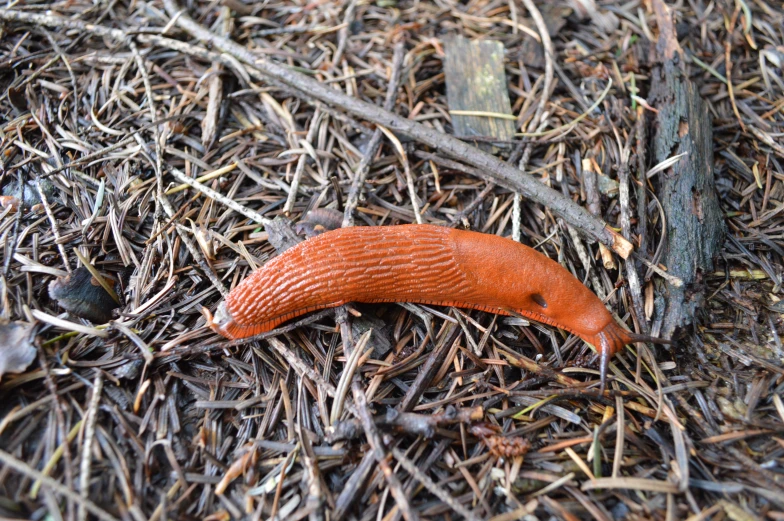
[
  {"x": 14, "y": 235},
  {"x": 156, "y": 132},
  {"x": 536, "y": 121},
  {"x": 87, "y": 451},
  {"x": 212, "y": 194},
  {"x": 53, "y": 222},
  {"x": 303, "y": 158},
  {"x": 626, "y": 228},
  {"x": 343, "y": 33},
  {"x": 310, "y": 90},
  {"x": 182, "y": 231},
  {"x": 395, "y": 487},
  {"x": 303, "y": 370},
  {"x": 354, "y": 486},
  {"x": 429, "y": 484}
]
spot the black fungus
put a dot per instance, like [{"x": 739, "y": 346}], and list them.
[{"x": 81, "y": 295}]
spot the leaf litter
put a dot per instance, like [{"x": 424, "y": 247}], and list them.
[{"x": 162, "y": 162}]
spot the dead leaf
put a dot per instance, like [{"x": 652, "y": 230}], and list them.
[{"x": 17, "y": 351}]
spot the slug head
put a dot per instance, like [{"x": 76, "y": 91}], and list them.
[{"x": 612, "y": 340}]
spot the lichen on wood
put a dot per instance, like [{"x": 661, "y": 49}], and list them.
[{"x": 476, "y": 81}]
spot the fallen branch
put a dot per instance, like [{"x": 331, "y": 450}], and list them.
[
  {"x": 506, "y": 175},
  {"x": 311, "y": 90}
]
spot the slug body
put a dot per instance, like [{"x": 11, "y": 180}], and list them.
[{"x": 418, "y": 263}]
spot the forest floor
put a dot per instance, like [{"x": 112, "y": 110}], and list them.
[{"x": 143, "y": 412}]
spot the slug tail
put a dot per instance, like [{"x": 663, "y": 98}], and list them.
[{"x": 222, "y": 322}]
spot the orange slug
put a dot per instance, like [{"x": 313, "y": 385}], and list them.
[{"x": 424, "y": 264}]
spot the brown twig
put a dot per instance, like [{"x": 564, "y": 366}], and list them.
[
  {"x": 358, "y": 182},
  {"x": 376, "y": 446},
  {"x": 406, "y": 423},
  {"x": 429, "y": 484},
  {"x": 504, "y": 174}
]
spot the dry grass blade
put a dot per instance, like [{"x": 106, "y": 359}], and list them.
[
  {"x": 407, "y": 168},
  {"x": 206, "y": 177},
  {"x": 67, "y": 325},
  {"x": 648, "y": 485},
  {"x": 358, "y": 354},
  {"x": 212, "y": 194}
]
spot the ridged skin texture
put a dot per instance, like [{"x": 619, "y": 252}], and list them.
[{"x": 416, "y": 263}]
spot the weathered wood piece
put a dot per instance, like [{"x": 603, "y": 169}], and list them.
[
  {"x": 476, "y": 81},
  {"x": 695, "y": 226}
]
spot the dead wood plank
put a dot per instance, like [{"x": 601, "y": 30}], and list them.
[{"x": 476, "y": 81}]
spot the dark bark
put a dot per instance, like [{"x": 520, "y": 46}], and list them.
[{"x": 695, "y": 223}]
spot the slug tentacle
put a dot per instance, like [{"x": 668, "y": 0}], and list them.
[
  {"x": 604, "y": 365},
  {"x": 612, "y": 340},
  {"x": 424, "y": 264}
]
